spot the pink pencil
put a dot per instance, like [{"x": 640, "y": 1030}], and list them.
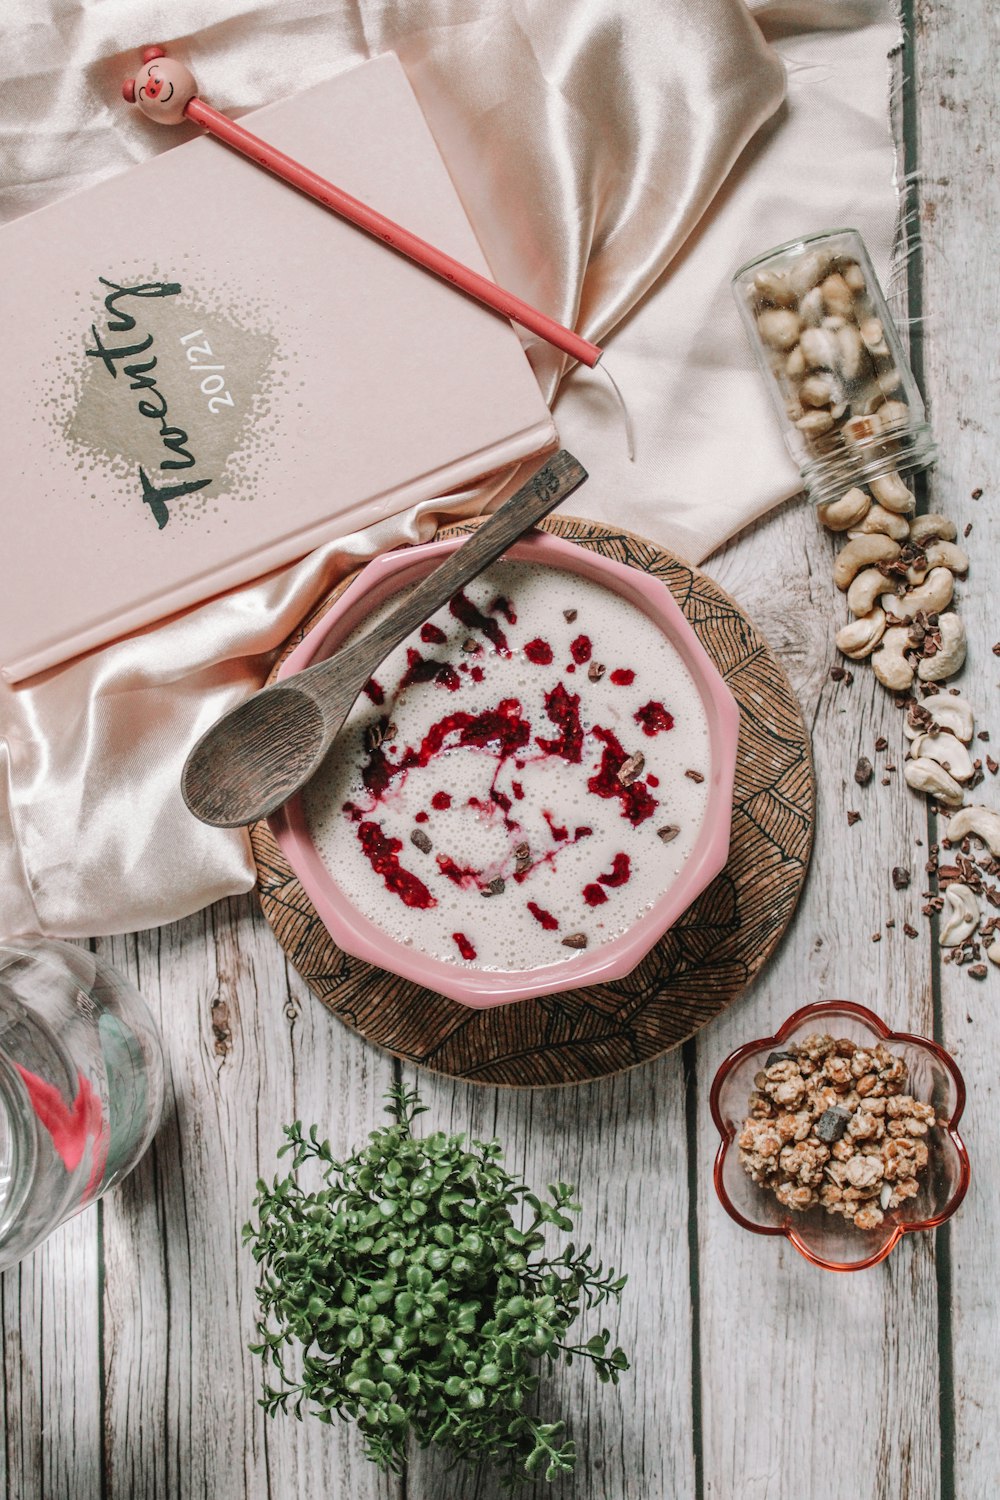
[{"x": 165, "y": 90}]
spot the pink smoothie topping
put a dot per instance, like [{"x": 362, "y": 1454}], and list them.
[
  {"x": 654, "y": 718},
  {"x": 539, "y": 651}
]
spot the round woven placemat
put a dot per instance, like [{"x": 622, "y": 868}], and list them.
[{"x": 693, "y": 973}]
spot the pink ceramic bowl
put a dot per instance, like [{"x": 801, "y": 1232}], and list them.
[
  {"x": 827, "y": 1240},
  {"x": 357, "y": 934}
]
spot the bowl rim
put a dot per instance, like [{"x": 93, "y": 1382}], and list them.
[
  {"x": 803, "y": 1015},
  {"x": 483, "y": 988}
]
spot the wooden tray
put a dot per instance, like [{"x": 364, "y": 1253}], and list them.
[{"x": 694, "y": 972}]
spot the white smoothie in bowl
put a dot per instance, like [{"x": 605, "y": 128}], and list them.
[{"x": 524, "y": 778}]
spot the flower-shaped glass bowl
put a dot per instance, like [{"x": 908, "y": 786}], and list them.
[
  {"x": 355, "y": 932},
  {"x": 829, "y": 1240}
]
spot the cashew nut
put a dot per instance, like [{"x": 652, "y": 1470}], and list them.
[
  {"x": 993, "y": 951},
  {"x": 837, "y": 296},
  {"x": 773, "y": 286},
  {"x": 860, "y": 637},
  {"x": 779, "y": 327},
  {"x": 815, "y": 423},
  {"x": 925, "y": 528},
  {"x": 864, "y": 591},
  {"x": 808, "y": 271},
  {"x": 925, "y": 775},
  {"x": 947, "y": 712},
  {"x": 840, "y": 515},
  {"x": 861, "y": 553},
  {"x": 860, "y": 430},
  {"x": 854, "y": 276},
  {"x": 851, "y": 351},
  {"x": 947, "y": 751},
  {"x": 950, "y": 655},
  {"x": 889, "y": 664},
  {"x": 817, "y": 390},
  {"x": 885, "y": 521},
  {"x": 933, "y": 595},
  {"x": 982, "y": 821},
  {"x": 811, "y": 308},
  {"x": 959, "y": 916},
  {"x": 795, "y": 365},
  {"x": 819, "y": 348},
  {"x": 873, "y": 334},
  {"x": 893, "y": 414},
  {"x": 948, "y": 555},
  {"x": 892, "y": 493}
]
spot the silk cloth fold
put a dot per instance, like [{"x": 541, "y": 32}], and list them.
[{"x": 618, "y": 159}]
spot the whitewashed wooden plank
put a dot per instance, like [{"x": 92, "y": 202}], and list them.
[
  {"x": 50, "y": 1307},
  {"x": 249, "y": 1049},
  {"x": 958, "y": 123},
  {"x": 794, "y": 1359},
  {"x": 622, "y": 1142}
]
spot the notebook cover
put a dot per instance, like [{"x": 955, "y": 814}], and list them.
[{"x": 207, "y": 375}]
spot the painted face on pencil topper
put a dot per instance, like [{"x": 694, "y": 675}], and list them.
[{"x": 162, "y": 88}]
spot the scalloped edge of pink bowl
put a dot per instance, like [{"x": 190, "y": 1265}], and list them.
[
  {"x": 798, "y": 1018},
  {"x": 481, "y": 989}
]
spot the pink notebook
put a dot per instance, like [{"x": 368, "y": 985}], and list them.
[{"x": 206, "y": 375}]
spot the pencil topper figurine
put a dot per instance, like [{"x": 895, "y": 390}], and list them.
[{"x": 162, "y": 88}]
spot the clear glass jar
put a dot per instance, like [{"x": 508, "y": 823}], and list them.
[
  {"x": 81, "y": 1085},
  {"x": 840, "y": 381}
]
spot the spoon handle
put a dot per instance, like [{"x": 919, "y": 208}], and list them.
[{"x": 549, "y": 485}]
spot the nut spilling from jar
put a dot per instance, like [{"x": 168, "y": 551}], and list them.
[
  {"x": 899, "y": 573},
  {"x": 854, "y": 421},
  {"x": 828, "y": 1124},
  {"x": 829, "y": 344}
]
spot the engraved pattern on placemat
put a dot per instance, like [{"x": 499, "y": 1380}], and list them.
[{"x": 694, "y": 972}]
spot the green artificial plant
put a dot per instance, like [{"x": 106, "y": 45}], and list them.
[{"x": 414, "y": 1303}]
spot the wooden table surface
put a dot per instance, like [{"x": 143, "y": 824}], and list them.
[{"x": 126, "y": 1371}]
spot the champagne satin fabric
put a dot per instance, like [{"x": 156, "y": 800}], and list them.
[{"x": 597, "y": 144}]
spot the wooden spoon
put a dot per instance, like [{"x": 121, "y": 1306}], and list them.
[{"x": 257, "y": 755}]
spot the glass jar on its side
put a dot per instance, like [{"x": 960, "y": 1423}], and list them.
[
  {"x": 81, "y": 1085},
  {"x": 840, "y": 381}
]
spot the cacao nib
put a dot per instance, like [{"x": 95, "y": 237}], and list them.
[{"x": 630, "y": 769}]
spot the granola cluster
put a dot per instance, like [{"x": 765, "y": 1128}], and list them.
[{"x": 829, "y": 1124}]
